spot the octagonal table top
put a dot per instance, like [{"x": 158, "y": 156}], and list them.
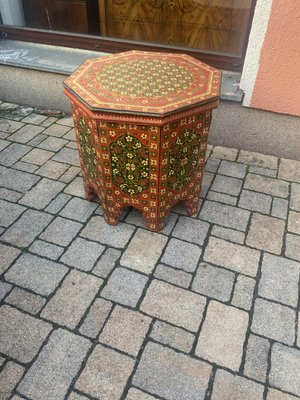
[{"x": 146, "y": 83}]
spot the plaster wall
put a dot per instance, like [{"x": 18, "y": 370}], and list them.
[
  {"x": 277, "y": 85},
  {"x": 256, "y": 39}
]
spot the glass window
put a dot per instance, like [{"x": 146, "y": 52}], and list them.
[{"x": 210, "y": 25}]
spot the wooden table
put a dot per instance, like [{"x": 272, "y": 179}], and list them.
[{"x": 142, "y": 122}]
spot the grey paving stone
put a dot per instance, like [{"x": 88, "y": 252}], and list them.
[
  {"x": 76, "y": 188},
  {"x": 2, "y": 361},
  {"x": 24, "y": 166},
  {"x": 295, "y": 197},
  {"x": 255, "y": 201},
  {"x": 56, "y": 130},
  {"x": 232, "y": 169},
  {"x": 143, "y": 251},
  {"x": 212, "y": 165},
  {"x": 256, "y": 362},
  {"x": 171, "y": 275},
  {"x": 49, "y": 121},
  {"x": 95, "y": 318},
  {"x": 125, "y": 330},
  {"x": 9, "y": 212},
  {"x": 3, "y": 144},
  {"x": 227, "y": 185},
  {"x": 53, "y": 143},
  {"x": 298, "y": 333},
  {"x": 232, "y": 256},
  {"x": 10, "y": 195},
  {"x": 4, "y": 289},
  {"x": 9, "y": 378},
  {"x": 117, "y": 236},
  {"x": 57, "y": 204},
  {"x": 37, "y": 140},
  {"x": 72, "y": 145},
  {"x": 37, "y": 274},
  {"x": 274, "y": 394},
  {"x": 82, "y": 254},
  {"x": 221, "y": 214},
  {"x": 61, "y": 231},
  {"x": 274, "y": 321},
  {"x": 107, "y": 262},
  {"x": 41, "y": 195},
  {"x": 38, "y": 156},
  {"x": 171, "y": 375},
  {"x": 135, "y": 217},
  {"x": 213, "y": 282},
  {"x": 285, "y": 367},
  {"x": 228, "y": 386},
  {"x": 263, "y": 184},
  {"x": 70, "y": 135},
  {"x": 29, "y": 302},
  {"x": 13, "y": 153},
  {"x": 124, "y": 286},
  {"x": 46, "y": 249},
  {"x": 27, "y": 228},
  {"x": 294, "y": 222},
  {"x": 70, "y": 174},
  {"x": 55, "y": 368},
  {"x": 72, "y": 299},
  {"x": 289, "y": 170},
  {"x": 266, "y": 233},
  {"x": 9, "y": 126},
  {"x": 52, "y": 169},
  {"x": 272, "y": 173},
  {"x": 77, "y": 396},
  {"x": 222, "y": 335},
  {"x": 68, "y": 156},
  {"x": 66, "y": 121},
  {"x": 243, "y": 292},
  {"x": 7, "y": 255},
  {"x": 35, "y": 119},
  {"x": 292, "y": 246},
  {"x": 224, "y": 153},
  {"x": 222, "y": 198},
  {"x": 175, "y": 305},
  {"x": 258, "y": 159},
  {"x": 279, "y": 208},
  {"x": 191, "y": 230},
  {"x": 228, "y": 234},
  {"x": 21, "y": 335},
  {"x": 105, "y": 374},
  {"x": 17, "y": 180},
  {"x": 182, "y": 255},
  {"x": 26, "y": 133},
  {"x": 136, "y": 394},
  {"x": 279, "y": 280},
  {"x": 172, "y": 336},
  {"x": 78, "y": 209},
  {"x": 207, "y": 179}
]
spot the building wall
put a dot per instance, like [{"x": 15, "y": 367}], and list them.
[{"x": 271, "y": 75}]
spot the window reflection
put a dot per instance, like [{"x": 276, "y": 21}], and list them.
[{"x": 211, "y": 25}]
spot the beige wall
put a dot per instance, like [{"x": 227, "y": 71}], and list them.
[{"x": 273, "y": 83}]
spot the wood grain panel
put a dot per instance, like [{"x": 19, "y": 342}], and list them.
[{"x": 215, "y": 25}]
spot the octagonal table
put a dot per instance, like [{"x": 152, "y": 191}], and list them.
[{"x": 142, "y": 122}]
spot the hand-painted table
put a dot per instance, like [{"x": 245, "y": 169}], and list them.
[{"x": 142, "y": 122}]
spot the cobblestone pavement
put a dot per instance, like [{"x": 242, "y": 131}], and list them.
[{"x": 206, "y": 309}]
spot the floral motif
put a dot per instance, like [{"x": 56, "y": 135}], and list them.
[
  {"x": 145, "y": 78},
  {"x": 87, "y": 148},
  {"x": 183, "y": 159},
  {"x": 130, "y": 164}
]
